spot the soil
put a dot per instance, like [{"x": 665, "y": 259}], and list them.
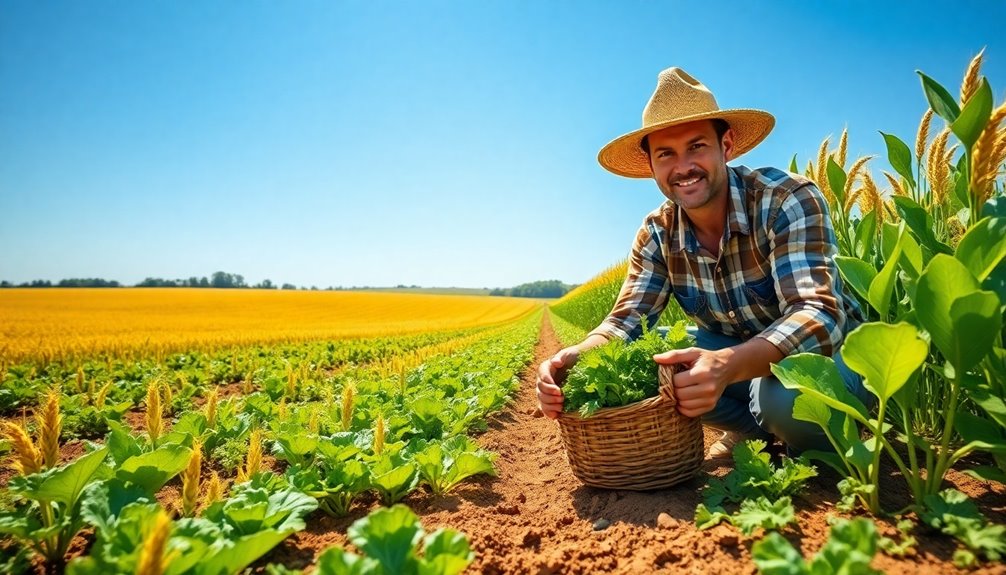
[{"x": 536, "y": 517}]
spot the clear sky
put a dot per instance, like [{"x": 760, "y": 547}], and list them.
[{"x": 430, "y": 143}]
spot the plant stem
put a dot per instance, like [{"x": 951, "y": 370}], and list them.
[
  {"x": 878, "y": 434},
  {"x": 915, "y": 481},
  {"x": 934, "y": 481}
]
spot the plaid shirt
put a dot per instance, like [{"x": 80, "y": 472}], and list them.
[{"x": 775, "y": 278}]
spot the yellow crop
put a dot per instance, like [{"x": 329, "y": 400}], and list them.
[{"x": 63, "y": 324}]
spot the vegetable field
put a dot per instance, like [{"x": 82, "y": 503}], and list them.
[{"x": 220, "y": 432}]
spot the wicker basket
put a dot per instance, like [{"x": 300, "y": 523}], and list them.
[{"x": 640, "y": 446}]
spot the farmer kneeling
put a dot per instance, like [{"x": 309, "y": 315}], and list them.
[{"x": 748, "y": 254}]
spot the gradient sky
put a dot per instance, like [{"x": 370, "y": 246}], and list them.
[{"x": 429, "y": 143}]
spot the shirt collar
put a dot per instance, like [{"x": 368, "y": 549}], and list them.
[{"x": 737, "y": 217}]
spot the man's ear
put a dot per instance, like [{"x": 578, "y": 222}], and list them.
[{"x": 727, "y": 144}]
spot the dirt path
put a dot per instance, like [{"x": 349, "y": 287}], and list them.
[{"x": 536, "y": 517}]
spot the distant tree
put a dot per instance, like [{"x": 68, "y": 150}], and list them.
[
  {"x": 265, "y": 284},
  {"x": 87, "y": 282},
  {"x": 542, "y": 289},
  {"x": 6, "y": 284},
  {"x": 288, "y": 286}
]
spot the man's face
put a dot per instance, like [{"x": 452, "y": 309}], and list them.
[{"x": 689, "y": 163}]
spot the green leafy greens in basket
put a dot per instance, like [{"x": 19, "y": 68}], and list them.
[{"x": 620, "y": 373}]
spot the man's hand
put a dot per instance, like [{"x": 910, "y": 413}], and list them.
[
  {"x": 705, "y": 374},
  {"x": 551, "y": 374}
]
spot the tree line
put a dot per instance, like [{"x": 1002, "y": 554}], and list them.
[
  {"x": 216, "y": 280},
  {"x": 542, "y": 289},
  {"x": 224, "y": 280}
]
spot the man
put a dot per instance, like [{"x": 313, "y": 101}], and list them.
[{"x": 747, "y": 254}]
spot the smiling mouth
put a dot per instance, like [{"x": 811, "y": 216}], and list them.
[{"x": 687, "y": 183}]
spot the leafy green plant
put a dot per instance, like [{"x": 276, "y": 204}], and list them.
[
  {"x": 391, "y": 539},
  {"x": 394, "y": 477},
  {"x": 761, "y": 489},
  {"x": 52, "y": 516},
  {"x": 953, "y": 513},
  {"x": 619, "y": 373},
  {"x": 443, "y": 465},
  {"x": 850, "y": 548},
  {"x": 963, "y": 322},
  {"x": 227, "y": 538}
]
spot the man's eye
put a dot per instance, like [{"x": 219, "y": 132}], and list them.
[{"x": 697, "y": 146}]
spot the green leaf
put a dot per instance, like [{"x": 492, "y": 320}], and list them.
[
  {"x": 882, "y": 285},
  {"x": 983, "y": 247},
  {"x": 866, "y": 234},
  {"x": 994, "y": 207},
  {"x": 337, "y": 561},
  {"x": 153, "y": 469},
  {"x": 993, "y": 405},
  {"x": 706, "y": 518},
  {"x": 911, "y": 256},
  {"x": 977, "y": 318},
  {"x": 765, "y": 514},
  {"x": 850, "y": 548},
  {"x": 857, "y": 273},
  {"x": 987, "y": 473},
  {"x": 467, "y": 465},
  {"x": 942, "y": 103},
  {"x": 944, "y": 282},
  {"x": 775, "y": 556},
  {"x": 236, "y": 554},
  {"x": 817, "y": 375},
  {"x": 899, "y": 156},
  {"x": 389, "y": 536},
  {"x": 121, "y": 444},
  {"x": 393, "y": 480},
  {"x": 977, "y": 429},
  {"x": 446, "y": 552},
  {"x": 793, "y": 168},
  {"x": 836, "y": 180},
  {"x": 809, "y": 408},
  {"x": 921, "y": 224},
  {"x": 975, "y": 115},
  {"x": 886, "y": 355},
  {"x": 66, "y": 483}
]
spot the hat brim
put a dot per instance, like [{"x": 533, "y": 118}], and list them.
[{"x": 624, "y": 156}]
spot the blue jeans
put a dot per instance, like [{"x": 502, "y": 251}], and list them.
[{"x": 761, "y": 408}]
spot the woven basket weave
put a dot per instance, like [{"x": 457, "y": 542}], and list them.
[{"x": 640, "y": 446}]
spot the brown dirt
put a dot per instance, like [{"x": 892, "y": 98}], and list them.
[{"x": 536, "y": 517}]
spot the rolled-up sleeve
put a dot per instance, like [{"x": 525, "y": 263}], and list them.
[
  {"x": 803, "y": 249},
  {"x": 644, "y": 292}
]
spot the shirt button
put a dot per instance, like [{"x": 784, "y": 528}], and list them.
[{"x": 732, "y": 314}]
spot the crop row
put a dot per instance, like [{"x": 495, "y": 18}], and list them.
[{"x": 370, "y": 432}]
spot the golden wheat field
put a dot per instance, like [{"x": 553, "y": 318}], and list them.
[{"x": 53, "y": 324}]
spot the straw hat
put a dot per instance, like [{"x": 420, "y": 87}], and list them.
[{"x": 680, "y": 98}]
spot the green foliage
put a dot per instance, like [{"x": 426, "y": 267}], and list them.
[
  {"x": 850, "y": 549},
  {"x": 391, "y": 539},
  {"x": 619, "y": 373},
  {"x": 225, "y": 540},
  {"x": 51, "y": 516},
  {"x": 762, "y": 490},
  {"x": 953, "y": 513},
  {"x": 754, "y": 475},
  {"x": 443, "y": 465}
]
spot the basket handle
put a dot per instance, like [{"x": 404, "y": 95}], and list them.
[{"x": 665, "y": 375}]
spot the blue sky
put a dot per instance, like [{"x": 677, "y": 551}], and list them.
[{"x": 429, "y": 143}]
